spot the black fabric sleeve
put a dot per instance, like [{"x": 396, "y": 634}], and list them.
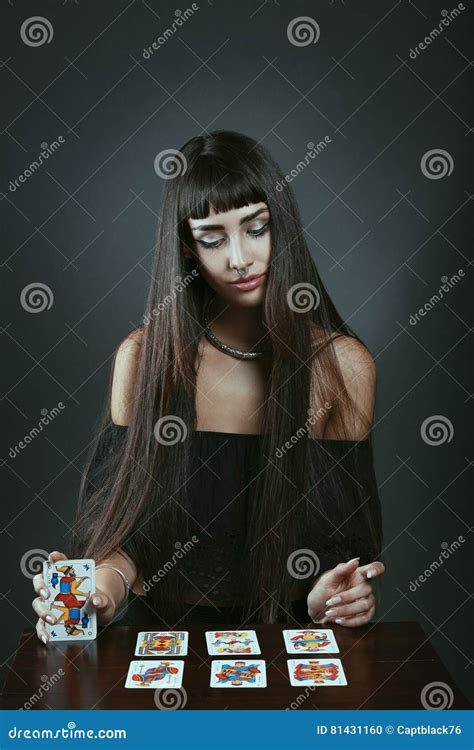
[{"x": 348, "y": 523}]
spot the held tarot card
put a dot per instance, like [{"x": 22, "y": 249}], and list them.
[{"x": 70, "y": 583}]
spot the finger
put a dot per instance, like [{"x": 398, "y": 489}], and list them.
[
  {"x": 350, "y": 595},
  {"x": 55, "y": 556},
  {"x": 350, "y": 610},
  {"x": 42, "y": 610},
  {"x": 342, "y": 570},
  {"x": 353, "y": 622},
  {"x": 98, "y": 601},
  {"x": 324, "y": 621},
  {"x": 373, "y": 569},
  {"x": 39, "y": 586},
  {"x": 41, "y": 631}
]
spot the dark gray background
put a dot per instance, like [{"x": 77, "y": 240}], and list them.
[{"x": 381, "y": 232}]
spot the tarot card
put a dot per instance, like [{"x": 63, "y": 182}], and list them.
[
  {"x": 232, "y": 642},
  {"x": 249, "y": 673},
  {"x": 70, "y": 583},
  {"x": 155, "y": 674},
  {"x": 310, "y": 641},
  {"x": 162, "y": 643},
  {"x": 316, "y": 672}
]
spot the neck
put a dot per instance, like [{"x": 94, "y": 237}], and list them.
[{"x": 237, "y": 326}]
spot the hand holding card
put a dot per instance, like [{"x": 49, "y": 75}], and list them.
[{"x": 98, "y": 603}]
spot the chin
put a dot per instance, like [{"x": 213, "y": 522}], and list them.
[{"x": 248, "y": 299}]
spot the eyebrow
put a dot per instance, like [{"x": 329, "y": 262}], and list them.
[{"x": 220, "y": 226}]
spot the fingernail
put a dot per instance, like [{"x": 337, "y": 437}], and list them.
[
  {"x": 370, "y": 573},
  {"x": 354, "y": 558},
  {"x": 44, "y": 639},
  {"x": 44, "y": 593},
  {"x": 50, "y": 619},
  {"x": 96, "y": 600},
  {"x": 333, "y": 600},
  {"x": 340, "y": 619},
  {"x": 330, "y": 612}
]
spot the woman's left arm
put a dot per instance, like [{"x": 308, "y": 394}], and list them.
[{"x": 347, "y": 589}]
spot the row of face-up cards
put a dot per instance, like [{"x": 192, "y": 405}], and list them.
[{"x": 234, "y": 673}]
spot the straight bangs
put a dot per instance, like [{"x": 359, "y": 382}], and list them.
[{"x": 214, "y": 183}]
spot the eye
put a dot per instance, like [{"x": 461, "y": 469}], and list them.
[
  {"x": 211, "y": 245},
  {"x": 259, "y": 231}
]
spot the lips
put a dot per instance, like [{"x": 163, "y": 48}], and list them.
[
  {"x": 244, "y": 279},
  {"x": 250, "y": 283}
]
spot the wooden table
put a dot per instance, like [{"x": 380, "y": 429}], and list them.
[{"x": 386, "y": 664}]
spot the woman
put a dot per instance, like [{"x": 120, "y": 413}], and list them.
[{"x": 232, "y": 478}]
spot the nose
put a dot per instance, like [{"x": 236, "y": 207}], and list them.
[{"x": 238, "y": 254}]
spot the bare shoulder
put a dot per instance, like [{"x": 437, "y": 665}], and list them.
[
  {"x": 124, "y": 376},
  {"x": 355, "y": 360},
  {"x": 359, "y": 373},
  {"x": 352, "y": 356}
]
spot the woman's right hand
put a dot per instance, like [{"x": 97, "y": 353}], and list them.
[{"x": 98, "y": 601}]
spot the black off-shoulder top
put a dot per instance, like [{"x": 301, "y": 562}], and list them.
[{"x": 223, "y": 465}]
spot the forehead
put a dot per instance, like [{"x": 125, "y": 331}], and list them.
[{"x": 227, "y": 218}]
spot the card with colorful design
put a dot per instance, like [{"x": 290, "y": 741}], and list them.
[
  {"x": 162, "y": 643},
  {"x": 232, "y": 642},
  {"x": 310, "y": 641},
  {"x": 237, "y": 673},
  {"x": 70, "y": 583},
  {"x": 316, "y": 672},
  {"x": 155, "y": 674}
]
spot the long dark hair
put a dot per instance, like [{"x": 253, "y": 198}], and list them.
[{"x": 141, "y": 499}]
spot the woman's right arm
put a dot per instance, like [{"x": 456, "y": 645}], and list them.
[{"x": 110, "y": 587}]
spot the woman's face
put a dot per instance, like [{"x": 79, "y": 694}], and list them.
[{"x": 236, "y": 239}]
